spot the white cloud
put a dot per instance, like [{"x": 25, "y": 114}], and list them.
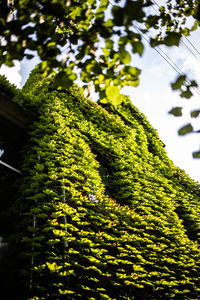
[{"x": 12, "y": 74}]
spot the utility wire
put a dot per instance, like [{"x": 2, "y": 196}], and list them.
[
  {"x": 156, "y": 3},
  {"x": 192, "y": 45},
  {"x": 190, "y": 50},
  {"x": 154, "y": 9},
  {"x": 168, "y": 59},
  {"x": 170, "y": 63},
  {"x": 167, "y": 56}
]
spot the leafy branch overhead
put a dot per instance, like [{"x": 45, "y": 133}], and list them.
[
  {"x": 92, "y": 36},
  {"x": 93, "y": 40}
]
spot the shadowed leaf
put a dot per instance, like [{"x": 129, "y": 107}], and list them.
[
  {"x": 195, "y": 113},
  {"x": 186, "y": 129},
  {"x": 176, "y": 111},
  {"x": 186, "y": 94},
  {"x": 172, "y": 39},
  {"x": 178, "y": 83},
  {"x": 125, "y": 57},
  {"x": 196, "y": 154}
]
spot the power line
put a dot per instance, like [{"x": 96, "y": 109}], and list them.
[
  {"x": 156, "y": 3},
  {"x": 190, "y": 50},
  {"x": 170, "y": 63},
  {"x": 154, "y": 9},
  {"x": 192, "y": 45},
  {"x": 168, "y": 59}
]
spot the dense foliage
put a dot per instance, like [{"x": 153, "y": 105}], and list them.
[{"x": 104, "y": 213}]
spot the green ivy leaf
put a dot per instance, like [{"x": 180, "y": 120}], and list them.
[
  {"x": 176, "y": 111},
  {"x": 104, "y": 101},
  {"x": 52, "y": 267},
  {"x": 39, "y": 167},
  {"x": 186, "y": 129}
]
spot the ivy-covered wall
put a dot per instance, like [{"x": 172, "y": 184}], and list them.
[{"x": 104, "y": 213}]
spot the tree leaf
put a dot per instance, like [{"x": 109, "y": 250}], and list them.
[
  {"x": 186, "y": 94},
  {"x": 113, "y": 94},
  {"x": 176, "y": 111},
  {"x": 172, "y": 39},
  {"x": 133, "y": 71},
  {"x": 134, "y": 83},
  {"x": 138, "y": 47},
  {"x": 195, "y": 26},
  {"x": 193, "y": 83},
  {"x": 124, "y": 56},
  {"x": 196, "y": 154},
  {"x": 195, "y": 113},
  {"x": 178, "y": 83},
  {"x": 186, "y": 129},
  {"x": 118, "y": 15}
]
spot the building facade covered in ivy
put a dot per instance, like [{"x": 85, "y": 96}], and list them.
[{"x": 99, "y": 211}]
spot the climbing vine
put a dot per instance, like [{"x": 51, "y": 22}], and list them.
[{"x": 106, "y": 214}]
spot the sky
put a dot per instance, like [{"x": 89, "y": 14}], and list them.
[{"x": 155, "y": 98}]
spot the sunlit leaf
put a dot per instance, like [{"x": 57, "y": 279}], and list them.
[
  {"x": 125, "y": 57},
  {"x": 113, "y": 94},
  {"x": 104, "y": 100},
  {"x": 134, "y": 83},
  {"x": 133, "y": 71},
  {"x": 52, "y": 267},
  {"x": 195, "y": 26}
]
